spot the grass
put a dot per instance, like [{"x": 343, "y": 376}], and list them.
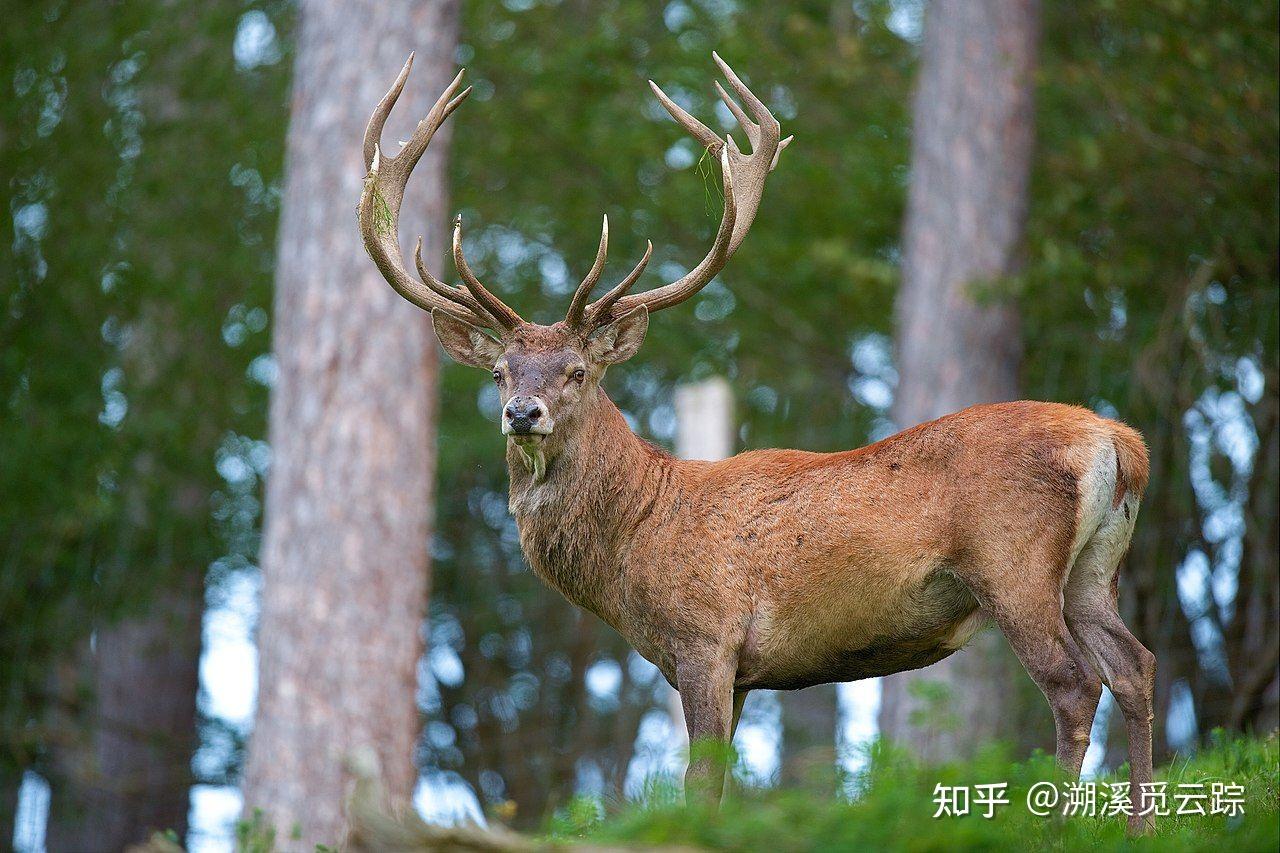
[{"x": 893, "y": 806}]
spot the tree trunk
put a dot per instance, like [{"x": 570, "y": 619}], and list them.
[
  {"x": 131, "y": 776},
  {"x": 1253, "y": 634},
  {"x": 10, "y": 785},
  {"x": 958, "y": 336},
  {"x": 348, "y": 507},
  {"x": 809, "y": 720}
]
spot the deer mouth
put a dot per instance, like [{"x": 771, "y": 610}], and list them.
[
  {"x": 529, "y": 446},
  {"x": 528, "y": 430}
]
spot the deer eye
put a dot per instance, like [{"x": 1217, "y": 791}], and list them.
[
  {"x": 497, "y": 376},
  {"x": 579, "y": 375}
]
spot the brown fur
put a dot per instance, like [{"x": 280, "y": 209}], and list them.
[
  {"x": 780, "y": 568},
  {"x": 783, "y": 568},
  {"x": 674, "y": 553},
  {"x": 1131, "y": 457}
]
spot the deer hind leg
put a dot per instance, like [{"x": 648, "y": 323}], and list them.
[
  {"x": 1029, "y": 614},
  {"x": 1127, "y": 667},
  {"x": 1050, "y": 655}
]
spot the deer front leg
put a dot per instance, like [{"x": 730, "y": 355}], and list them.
[{"x": 707, "y": 696}]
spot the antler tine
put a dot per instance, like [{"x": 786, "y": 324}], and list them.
[
  {"x": 456, "y": 295},
  {"x": 758, "y": 110},
  {"x": 605, "y": 303},
  {"x": 694, "y": 280},
  {"x": 742, "y": 118},
  {"x": 744, "y": 177},
  {"x": 579, "y": 304},
  {"x": 498, "y": 309},
  {"x": 750, "y": 127},
  {"x": 379, "y": 209},
  {"x": 373, "y": 130},
  {"x": 763, "y": 134},
  {"x": 699, "y": 131},
  {"x": 440, "y": 110}
]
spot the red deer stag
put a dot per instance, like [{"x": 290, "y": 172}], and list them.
[{"x": 780, "y": 568}]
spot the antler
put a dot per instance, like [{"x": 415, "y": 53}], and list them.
[
  {"x": 577, "y": 317},
  {"x": 744, "y": 178},
  {"x": 379, "y": 215}
]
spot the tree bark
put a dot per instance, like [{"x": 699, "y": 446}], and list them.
[
  {"x": 958, "y": 336},
  {"x": 809, "y": 720},
  {"x": 131, "y": 776},
  {"x": 345, "y": 559}
]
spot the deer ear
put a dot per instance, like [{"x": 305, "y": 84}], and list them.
[
  {"x": 465, "y": 343},
  {"x": 621, "y": 339}
]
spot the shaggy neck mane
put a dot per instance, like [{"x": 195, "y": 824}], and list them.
[{"x": 577, "y": 521}]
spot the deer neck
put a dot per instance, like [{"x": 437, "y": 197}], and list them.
[{"x": 577, "y": 515}]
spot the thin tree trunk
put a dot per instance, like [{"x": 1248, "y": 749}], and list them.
[
  {"x": 131, "y": 776},
  {"x": 345, "y": 560},
  {"x": 1253, "y": 637},
  {"x": 809, "y": 719},
  {"x": 10, "y": 785},
  {"x": 958, "y": 338}
]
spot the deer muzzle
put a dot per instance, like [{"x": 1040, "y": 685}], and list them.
[{"x": 526, "y": 416}]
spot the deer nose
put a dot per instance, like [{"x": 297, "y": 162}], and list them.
[{"x": 522, "y": 414}]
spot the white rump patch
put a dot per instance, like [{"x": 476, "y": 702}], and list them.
[
  {"x": 970, "y": 625},
  {"x": 1096, "y": 490}
]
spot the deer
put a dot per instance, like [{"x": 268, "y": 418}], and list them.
[{"x": 781, "y": 569}]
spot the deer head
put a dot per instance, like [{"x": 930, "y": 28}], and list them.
[{"x": 547, "y": 376}]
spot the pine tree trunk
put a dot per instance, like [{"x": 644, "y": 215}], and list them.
[
  {"x": 344, "y": 558},
  {"x": 958, "y": 337},
  {"x": 131, "y": 776}
]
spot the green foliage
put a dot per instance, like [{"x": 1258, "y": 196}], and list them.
[
  {"x": 816, "y": 275},
  {"x": 1156, "y": 158},
  {"x": 1151, "y": 293},
  {"x": 576, "y": 817},
  {"x": 255, "y": 834},
  {"x": 891, "y": 807},
  {"x": 895, "y": 801},
  {"x": 932, "y": 708},
  {"x": 1158, "y": 140},
  {"x": 139, "y": 162}
]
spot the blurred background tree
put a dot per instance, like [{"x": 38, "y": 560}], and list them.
[
  {"x": 141, "y": 149},
  {"x": 957, "y": 339},
  {"x": 352, "y": 432},
  {"x": 814, "y": 282},
  {"x": 1153, "y": 294},
  {"x": 139, "y": 164}
]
